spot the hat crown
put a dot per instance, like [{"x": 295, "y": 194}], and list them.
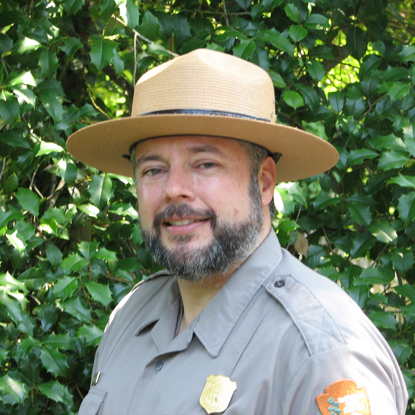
[{"x": 206, "y": 80}]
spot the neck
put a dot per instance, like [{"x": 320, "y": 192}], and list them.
[{"x": 196, "y": 295}]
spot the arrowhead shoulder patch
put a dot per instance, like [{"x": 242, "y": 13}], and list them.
[{"x": 343, "y": 398}]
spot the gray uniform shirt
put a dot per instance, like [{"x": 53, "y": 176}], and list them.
[{"x": 279, "y": 330}]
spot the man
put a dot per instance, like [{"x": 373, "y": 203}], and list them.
[{"x": 235, "y": 325}]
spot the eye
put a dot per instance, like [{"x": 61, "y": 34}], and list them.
[
  {"x": 152, "y": 171},
  {"x": 207, "y": 165}
]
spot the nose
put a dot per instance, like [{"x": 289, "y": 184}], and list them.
[{"x": 179, "y": 186}]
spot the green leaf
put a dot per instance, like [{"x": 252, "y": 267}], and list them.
[
  {"x": 383, "y": 231},
  {"x": 401, "y": 349},
  {"x": 316, "y": 70},
  {"x": 48, "y": 62},
  {"x": 361, "y": 245},
  {"x": 105, "y": 254},
  {"x": 53, "y": 254},
  {"x": 383, "y": 320},
  {"x": 102, "y": 52},
  {"x": 20, "y": 78},
  {"x": 317, "y": 21},
  {"x": 59, "y": 341},
  {"x": 72, "y": 45},
  {"x": 26, "y": 45},
  {"x": 54, "y": 361},
  {"x": 11, "y": 284},
  {"x": 9, "y": 110},
  {"x": 89, "y": 209},
  {"x": 76, "y": 308},
  {"x": 402, "y": 261},
  {"x": 297, "y": 33},
  {"x": 90, "y": 335},
  {"x": 117, "y": 62},
  {"x": 357, "y": 157},
  {"x": 56, "y": 392},
  {"x": 25, "y": 93},
  {"x": 361, "y": 214},
  {"x": 47, "y": 148},
  {"x": 403, "y": 181},
  {"x": 277, "y": 80},
  {"x": 406, "y": 290},
  {"x": 52, "y": 104},
  {"x": 101, "y": 190},
  {"x": 277, "y": 40},
  {"x": 73, "y": 262},
  {"x": 336, "y": 100},
  {"x": 292, "y": 12},
  {"x": 150, "y": 26},
  {"x": 16, "y": 390},
  {"x": 379, "y": 275},
  {"x": 310, "y": 96},
  {"x": 65, "y": 287},
  {"x": 16, "y": 242},
  {"x": 244, "y": 4},
  {"x": 356, "y": 42},
  {"x": 293, "y": 99},
  {"x": 398, "y": 90},
  {"x": 244, "y": 49},
  {"x": 407, "y": 53},
  {"x": 406, "y": 207},
  {"x": 99, "y": 292},
  {"x": 392, "y": 160},
  {"x": 28, "y": 200},
  {"x": 73, "y": 6}
]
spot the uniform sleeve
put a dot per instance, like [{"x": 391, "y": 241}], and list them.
[{"x": 351, "y": 380}]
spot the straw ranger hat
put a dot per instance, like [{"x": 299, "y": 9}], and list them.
[{"x": 203, "y": 93}]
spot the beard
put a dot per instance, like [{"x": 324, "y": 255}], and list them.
[{"x": 232, "y": 242}]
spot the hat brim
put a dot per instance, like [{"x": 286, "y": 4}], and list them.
[{"x": 104, "y": 144}]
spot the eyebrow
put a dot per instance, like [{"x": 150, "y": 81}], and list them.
[{"x": 190, "y": 150}]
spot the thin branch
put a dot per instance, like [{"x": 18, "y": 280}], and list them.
[
  {"x": 226, "y": 13},
  {"x": 143, "y": 38}
]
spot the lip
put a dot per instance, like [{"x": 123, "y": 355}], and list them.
[{"x": 184, "y": 226}]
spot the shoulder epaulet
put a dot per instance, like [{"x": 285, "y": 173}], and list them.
[{"x": 162, "y": 273}]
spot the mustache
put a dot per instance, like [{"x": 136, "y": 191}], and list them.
[{"x": 183, "y": 211}]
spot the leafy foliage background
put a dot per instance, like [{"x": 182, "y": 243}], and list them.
[{"x": 70, "y": 245}]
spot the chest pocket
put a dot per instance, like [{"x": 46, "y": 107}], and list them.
[{"x": 93, "y": 404}]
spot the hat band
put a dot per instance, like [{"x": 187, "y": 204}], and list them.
[{"x": 204, "y": 112}]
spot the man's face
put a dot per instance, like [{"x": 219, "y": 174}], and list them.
[{"x": 199, "y": 211}]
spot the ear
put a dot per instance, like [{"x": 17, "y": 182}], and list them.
[{"x": 266, "y": 180}]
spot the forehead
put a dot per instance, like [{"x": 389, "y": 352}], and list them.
[{"x": 189, "y": 145}]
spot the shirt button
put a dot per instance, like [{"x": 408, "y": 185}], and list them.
[
  {"x": 159, "y": 366},
  {"x": 279, "y": 283}
]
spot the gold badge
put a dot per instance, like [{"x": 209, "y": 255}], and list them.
[
  {"x": 343, "y": 398},
  {"x": 217, "y": 394}
]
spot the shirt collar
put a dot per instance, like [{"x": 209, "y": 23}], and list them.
[{"x": 217, "y": 320}]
